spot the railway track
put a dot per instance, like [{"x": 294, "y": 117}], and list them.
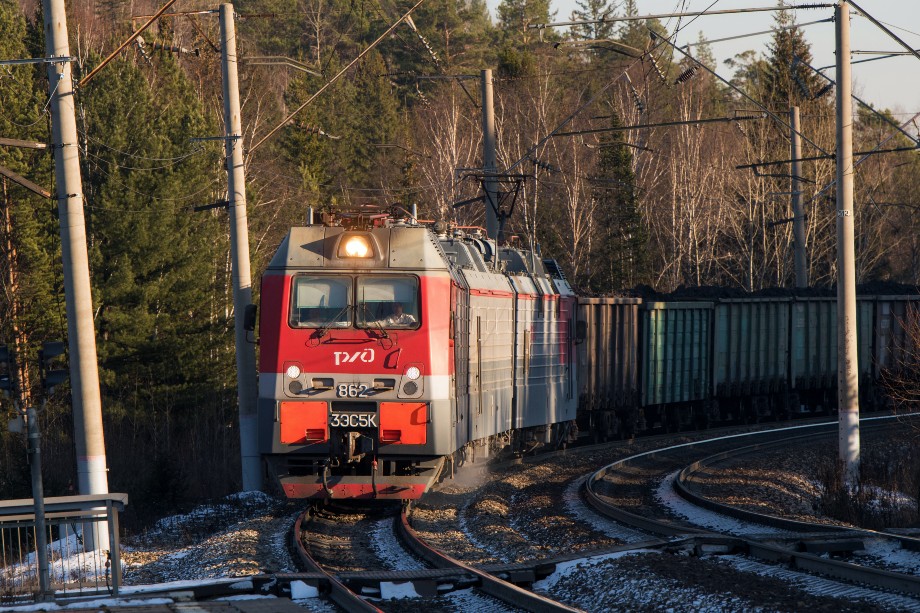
[
  {"x": 495, "y": 585},
  {"x": 626, "y": 492},
  {"x": 397, "y": 563},
  {"x": 362, "y": 553},
  {"x": 328, "y": 583},
  {"x": 421, "y": 570}
]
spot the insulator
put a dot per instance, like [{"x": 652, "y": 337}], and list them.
[
  {"x": 545, "y": 166},
  {"x": 320, "y": 132},
  {"x": 795, "y": 77},
  {"x": 434, "y": 56},
  {"x": 421, "y": 95},
  {"x": 824, "y": 90},
  {"x": 686, "y": 75},
  {"x": 657, "y": 68},
  {"x": 139, "y": 42},
  {"x": 637, "y": 100},
  {"x": 802, "y": 86}
]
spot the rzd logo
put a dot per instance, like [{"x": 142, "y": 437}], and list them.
[{"x": 343, "y": 357}]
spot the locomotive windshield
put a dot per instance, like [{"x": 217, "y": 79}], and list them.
[
  {"x": 321, "y": 301},
  {"x": 326, "y": 301},
  {"x": 387, "y": 302}
]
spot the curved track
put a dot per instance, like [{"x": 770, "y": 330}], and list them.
[
  {"x": 353, "y": 568},
  {"x": 345, "y": 587},
  {"x": 335, "y": 589},
  {"x": 636, "y": 472},
  {"x": 492, "y": 585}
]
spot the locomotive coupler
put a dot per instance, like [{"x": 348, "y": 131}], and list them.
[{"x": 359, "y": 445}]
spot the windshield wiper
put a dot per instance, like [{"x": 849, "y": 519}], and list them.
[
  {"x": 323, "y": 329},
  {"x": 375, "y": 322}
]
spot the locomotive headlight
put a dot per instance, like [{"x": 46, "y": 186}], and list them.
[
  {"x": 356, "y": 247},
  {"x": 413, "y": 373},
  {"x": 293, "y": 371}
]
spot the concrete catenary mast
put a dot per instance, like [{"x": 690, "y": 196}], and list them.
[
  {"x": 798, "y": 215},
  {"x": 239, "y": 253},
  {"x": 92, "y": 475},
  {"x": 847, "y": 351},
  {"x": 488, "y": 155}
]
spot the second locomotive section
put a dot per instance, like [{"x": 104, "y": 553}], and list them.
[{"x": 386, "y": 351}]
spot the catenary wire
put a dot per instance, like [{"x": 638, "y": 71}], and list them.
[
  {"x": 157, "y": 198},
  {"x": 589, "y": 102},
  {"x": 175, "y": 163},
  {"x": 177, "y": 158}
]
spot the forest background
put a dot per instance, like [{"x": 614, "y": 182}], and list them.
[{"x": 663, "y": 207}]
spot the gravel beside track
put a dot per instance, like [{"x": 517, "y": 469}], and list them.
[
  {"x": 514, "y": 512},
  {"x": 243, "y": 535},
  {"x": 678, "y": 583},
  {"x": 521, "y": 512},
  {"x": 786, "y": 482}
]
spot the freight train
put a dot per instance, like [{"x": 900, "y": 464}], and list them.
[
  {"x": 678, "y": 363},
  {"x": 389, "y": 351}
]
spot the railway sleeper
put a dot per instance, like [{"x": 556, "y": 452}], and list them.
[
  {"x": 833, "y": 547},
  {"x": 439, "y": 583}
]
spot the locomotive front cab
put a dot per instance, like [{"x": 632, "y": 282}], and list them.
[{"x": 348, "y": 381}]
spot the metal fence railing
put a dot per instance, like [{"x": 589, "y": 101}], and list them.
[{"x": 82, "y": 554}]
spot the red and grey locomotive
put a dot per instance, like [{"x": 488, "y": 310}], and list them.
[{"x": 389, "y": 350}]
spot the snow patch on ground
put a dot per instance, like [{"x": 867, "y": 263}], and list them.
[
  {"x": 668, "y": 497},
  {"x": 101, "y": 603},
  {"x": 890, "y": 553},
  {"x": 471, "y": 600},
  {"x": 599, "y": 583},
  {"x": 389, "y": 590},
  {"x": 388, "y": 549},
  {"x": 575, "y": 506},
  {"x": 468, "y": 532},
  {"x": 566, "y": 569},
  {"x": 882, "y": 500},
  {"x": 68, "y": 564},
  {"x": 302, "y": 591}
]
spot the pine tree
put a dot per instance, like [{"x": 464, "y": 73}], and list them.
[
  {"x": 163, "y": 319},
  {"x": 29, "y": 259},
  {"x": 620, "y": 256},
  {"x": 335, "y": 141},
  {"x": 788, "y": 79},
  {"x": 635, "y": 33},
  {"x": 593, "y": 10},
  {"x": 515, "y": 17},
  {"x": 447, "y": 38}
]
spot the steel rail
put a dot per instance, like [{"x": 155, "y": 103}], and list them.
[
  {"x": 606, "y": 508},
  {"x": 338, "y": 592},
  {"x": 804, "y": 561},
  {"x": 682, "y": 486},
  {"x": 510, "y": 594},
  {"x": 667, "y": 528},
  {"x": 837, "y": 569}
]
